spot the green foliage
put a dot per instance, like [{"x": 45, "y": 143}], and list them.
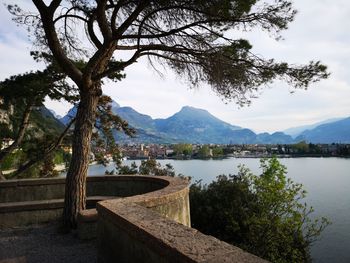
[
  {"x": 204, "y": 152},
  {"x": 43, "y": 168},
  {"x": 67, "y": 158},
  {"x": 48, "y": 167},
  {"x": 125, "y": 169},
  {"x": 147, "y": 167},
  {"x": 32, "y": 172},
  {"x": 218, "y": 151},
  {"x": 11, "y": 161},
  {"x": 343, "y": 150},
  {"x": 33, "y": 87},
  {"x": 301, "y": 147},
  {"x": 103, "y": 138},
  {"x": 33, "y": 128},
  {"x": 5, "y": 131},
  {"x": 59, "y": 157},
  {"x": 261, "y": 214},
  {"x": 152, "y": 167},
  {"x": 183, "y": 148},
  {"x": 193, "y": 38}
]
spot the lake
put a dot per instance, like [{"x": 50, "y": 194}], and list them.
[{"x": 327, "y": 181}]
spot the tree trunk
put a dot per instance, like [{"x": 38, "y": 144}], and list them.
[{"x": 75, "y": 191}]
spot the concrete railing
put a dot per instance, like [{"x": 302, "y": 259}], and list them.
[
  {"x": 53, "y": 188},
  {"x": 32, "y": 201},
  {"x": 149, "y": 222},
  {"x": 140, "y": 229}
]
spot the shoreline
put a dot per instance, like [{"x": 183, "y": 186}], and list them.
[{"x": 280, "y": 156}]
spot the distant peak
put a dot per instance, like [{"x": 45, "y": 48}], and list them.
[
  {"x": 127, "y": 108},
  {"x": 190, "y": 108}
]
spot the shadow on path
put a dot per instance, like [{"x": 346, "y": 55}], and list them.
[{"x": 43, "y": 244}]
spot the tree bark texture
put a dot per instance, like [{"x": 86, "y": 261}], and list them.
[{"x": 75, "y": 190}]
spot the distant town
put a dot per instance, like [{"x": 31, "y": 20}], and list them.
[{"x": 199, "y": 151}]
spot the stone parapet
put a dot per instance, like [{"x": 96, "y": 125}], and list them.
[
  {"x": 128, "y": 231},
  {"x": 33, "y": 201},
  {"x": 142, "y": 218}
]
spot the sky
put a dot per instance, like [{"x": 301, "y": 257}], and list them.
[{"x": 320, "y": 32}]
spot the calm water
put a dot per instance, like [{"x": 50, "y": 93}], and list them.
[{"x": 327, "y": 181}]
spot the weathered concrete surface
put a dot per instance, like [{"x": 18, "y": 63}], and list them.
[
  {"x": 172, "y": 202},
  {"x": 53, "y": 188},
  {"x": 33, "y": 201},
  {"x": 31, "y": 189},
  {"x": 129, "y": 232},
  {"x": 42, "y": 244},
  {"x": 149, "y": 223},
  {"x": 138, "y": 229},
  {"x": 87, "y": 224}
]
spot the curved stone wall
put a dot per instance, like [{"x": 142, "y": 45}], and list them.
[
  {"x": 138, "y": 229},
  {"x": 147, "y": 222},
  {"x": 53, "y": 188},
  {"x": 31, "y": 201},
  {"x": 171, "y": 201}
]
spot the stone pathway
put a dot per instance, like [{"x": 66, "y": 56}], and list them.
[{"x": 42, "y": 243}]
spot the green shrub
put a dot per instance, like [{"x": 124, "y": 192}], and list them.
[{"x": 261, "y": 214}]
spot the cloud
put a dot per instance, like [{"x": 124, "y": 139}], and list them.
[{"x": 319, "y": 32}]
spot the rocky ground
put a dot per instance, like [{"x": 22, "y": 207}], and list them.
[{"x": 44, "y": 244}]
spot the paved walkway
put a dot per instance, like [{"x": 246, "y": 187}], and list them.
[{"x": 43, "y": 244}]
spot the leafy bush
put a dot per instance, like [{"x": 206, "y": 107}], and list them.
[
  {"x": 261, "y": 214},
  {"x": 11, "y": 161},
  {"x": 147, "y": 167},
  {"x": 152, "y": 167}
]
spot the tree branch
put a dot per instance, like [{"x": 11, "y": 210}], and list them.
[
  {"x": 51, "y": 148},
  {"x": 52, "y": 39},
  {"x": 22, "y": 129},
  {"x": 131, "y": 18}
]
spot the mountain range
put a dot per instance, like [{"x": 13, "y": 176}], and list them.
[
  {"x": 192, "y": 125},
  {"x": 296, "y": 131}
]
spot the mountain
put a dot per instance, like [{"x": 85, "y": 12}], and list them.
[
  {"x": 275, "y": 138},
  {"x": 55, "y": 115},
  {"x": 73, "y": 111},
  {"x": 296, "y": 131},
  {"x": 135, "y": 119},
  {"x": 47, "y": 121},
  {"x": 334, "y": 132},
  {"x": 41, "y": 122},
  {"x": 190, "y": 125},
  {"x": 194, "y": 125},
  {"x": 71, "y": 114}
]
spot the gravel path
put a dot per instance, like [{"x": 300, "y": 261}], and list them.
[{"x": 43, "y": 244}]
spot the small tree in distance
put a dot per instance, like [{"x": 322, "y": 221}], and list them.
[{"x": 190, "y": 37}]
